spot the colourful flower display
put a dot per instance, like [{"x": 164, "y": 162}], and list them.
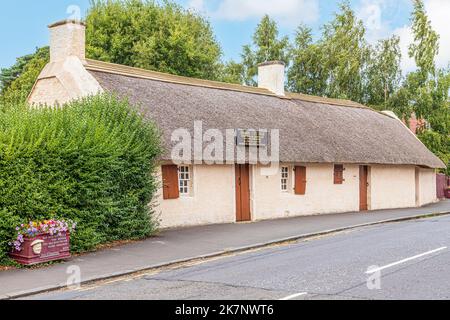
[{"x": 34, "y": 228}]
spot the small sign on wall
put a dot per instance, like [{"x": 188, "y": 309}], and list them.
[{"x": 251, "y": 138}]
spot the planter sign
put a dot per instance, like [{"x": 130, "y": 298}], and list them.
[{"x": 43, "y": 248}]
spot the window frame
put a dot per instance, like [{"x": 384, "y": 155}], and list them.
[
  {"x": 285, "y": 175},
  {"x": 185, "y": 188}
]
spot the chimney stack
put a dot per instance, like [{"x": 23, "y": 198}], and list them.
[
  {"x": 271, "y": 76},
  {"x": 67, "y": 38}
]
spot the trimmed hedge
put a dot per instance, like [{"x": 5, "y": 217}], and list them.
[{"x": 91, "y": 161}]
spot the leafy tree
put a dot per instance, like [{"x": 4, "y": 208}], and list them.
[
  {"x": 307, "y": 74},
  {"x": 162, "y": 37},
  {"x": 428, "y": 88},
  {"x": 335, "y": 66},
  {"x": 8, "y": 75},
  {"x": 346, "y": 55},
  {"x": 425, "y": 47},
  {"x": 384, "y": 73},
  {"x": 232, "y": 72},
  {"x": 21, "y": 79},
  {"x": 266, "y": 46},
  {"x": 152, "y": 35}
]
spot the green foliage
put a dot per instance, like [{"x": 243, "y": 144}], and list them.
[
  {"x": 383, "y": 73},
  {"x": 266, "y": 47},
  {"x": 232, "y": 72},
  {"x": 342, "y": 65},
  {"x": 8, "y": 75},
  {"x": 151, "y": 35},
  {"x": 425, "y": 47},
  {"x": 427, "y": 90},
  {"x": 21, "y": 77},
  {"x": 346, "y": 55},
  {"x": 91, "y": 161},
  {"x": 145, "y": 34},
  {"x": 439, "y": 144},
  {"x": 308, "y": 73},
  {"x": 7, "y": 232}
]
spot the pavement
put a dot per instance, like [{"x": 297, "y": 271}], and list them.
[
  {"x": 182, "y": 245},
  {"x": 413, "y": 257}
]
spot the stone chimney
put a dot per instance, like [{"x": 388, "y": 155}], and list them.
[
  {"x": 271, "y": 76},
  {"x": 67, "y": 38}
]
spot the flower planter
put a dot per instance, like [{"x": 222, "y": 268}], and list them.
[{"x": 42, "y": 248}]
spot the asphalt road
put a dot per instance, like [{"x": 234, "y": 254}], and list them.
[{"x": 412, "y": 258}]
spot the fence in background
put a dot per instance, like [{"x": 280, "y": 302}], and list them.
[{"x": 443, "y": 182}]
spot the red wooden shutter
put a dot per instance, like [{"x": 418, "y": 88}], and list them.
[
  {"x": 338, "y": 174},
  {"x": 300, "y": 180},
  {"x": 170, "y": 182}
]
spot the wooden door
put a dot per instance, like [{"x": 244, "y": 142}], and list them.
[
  {"x": 300, "y": 180},
  {"x": 243, "y": 193},
  {"x": 363, "y": 187},
  {"x": 170, "y": 182}
]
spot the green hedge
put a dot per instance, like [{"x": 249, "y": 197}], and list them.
[{"x": 91, "y": 161}]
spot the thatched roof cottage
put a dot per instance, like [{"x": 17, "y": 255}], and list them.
[{"x": 330, "y": 155}]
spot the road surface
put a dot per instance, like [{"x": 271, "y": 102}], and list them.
[{"x": 406, "y": 260}]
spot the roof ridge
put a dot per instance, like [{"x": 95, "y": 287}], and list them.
[
  {"x": 96, "y": 65},
  {"x": 332, "y": 101}
]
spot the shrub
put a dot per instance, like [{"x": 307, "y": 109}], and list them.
[
  {"x": 7, "y": 232},
  {"x": 91, "y": 161}
]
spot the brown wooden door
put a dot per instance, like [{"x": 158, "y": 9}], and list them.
[
  {"x": 363, "y": 187},
  {"x": 300, "y": 180},
  {"x": 243, "y": 193},
  {"x": 170, "y": 182}
]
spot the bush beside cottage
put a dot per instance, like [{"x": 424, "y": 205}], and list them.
[{"x": 91, "y": 161}]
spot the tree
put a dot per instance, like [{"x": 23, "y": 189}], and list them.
[
  {"x": 23, "y": 76},
  {"x": 162, "y": 37},
  {"x": 425, "y": 47},
  {"x": 346, "y": 55},
  {"x": 152, "y": 35},
  {"x": 384, "y": 72},
  {"x": 266, "y": 46},
  {"x": 232, "y": 72},
  {"x": 428, "y": 88},
  {"x": 8, "y": 75},
  {"x": 307, "y": 73},
  {"x": 334, "y": 66}
]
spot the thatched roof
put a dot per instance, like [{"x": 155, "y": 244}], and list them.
[{"x": 312, "y": 129}]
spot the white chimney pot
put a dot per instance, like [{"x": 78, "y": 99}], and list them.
[
  {"x": 271, "y": 76},
  {"x": 67, "y": 38}
]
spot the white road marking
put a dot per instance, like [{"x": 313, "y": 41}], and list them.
[
  {"x": 294, "y": 296},
  {"x": 405, "y": 260}
]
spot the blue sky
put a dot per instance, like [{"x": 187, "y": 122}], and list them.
[{"x": 23, "y": 22}]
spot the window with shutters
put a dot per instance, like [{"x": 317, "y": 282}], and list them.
[
  {"x": 184, "y": 180},
  {"x": 338, "y": 174},
  {"x": 284, "y": 179}
]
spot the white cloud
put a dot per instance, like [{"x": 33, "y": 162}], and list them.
[
  {"x": 406, "y": 38},
  {"x": 438, "y": 11},
  {"x": 286, "y": 12},
  {"x": 371, "y": 13},
  {"x": 374, "y": 14},
  {"x": 198, "y": 5}
]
